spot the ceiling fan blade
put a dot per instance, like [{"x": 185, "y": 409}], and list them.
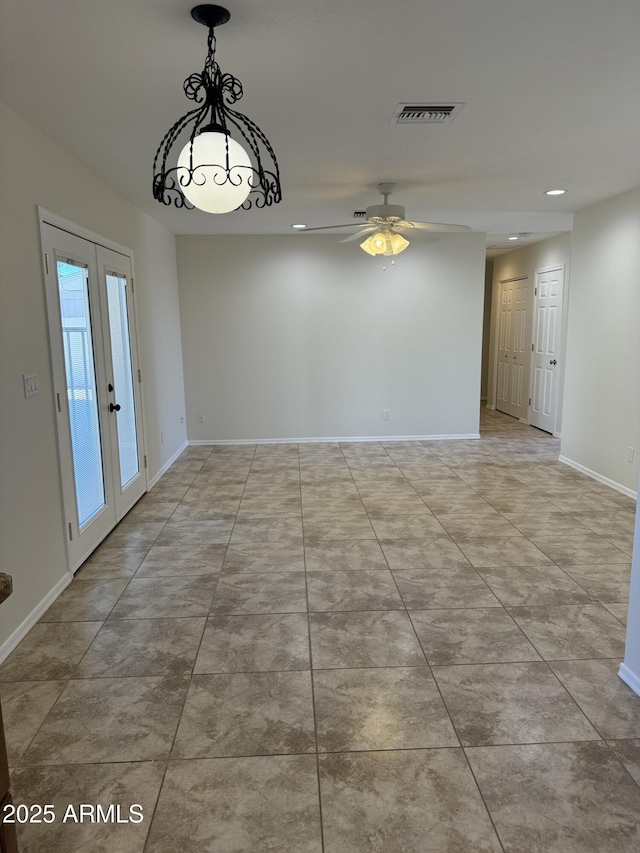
[
  {"x": 434, "y": 226},
  {"x": 419, "y": 236},
  {"x": 327, "y": 227},
  {"x": 359, "y": 234}
]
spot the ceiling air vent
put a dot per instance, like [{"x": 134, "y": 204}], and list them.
[
  {"x": 416, "y": 113},
  {"x": 358, "y": 214}
]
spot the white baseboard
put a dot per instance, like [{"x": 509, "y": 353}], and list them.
[
  {"x": 324, "y": 439},
  {"x": 630, "y": 678},
  {"x": 595, "y": 476},
  {"x": 168, "y": 464},
  {"x": 524, "y": 421},
  {"x": 22, "y": 630},
  {"x": 490, "y": 406}
]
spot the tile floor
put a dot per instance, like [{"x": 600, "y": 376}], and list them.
[{"x": 343, "y": 648}]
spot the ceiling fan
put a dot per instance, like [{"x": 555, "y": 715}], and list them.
[{"x": 386, "y": 226}]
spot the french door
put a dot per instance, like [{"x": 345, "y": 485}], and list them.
[{"x": 96, "y": 385}]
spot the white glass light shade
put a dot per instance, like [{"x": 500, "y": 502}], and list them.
[
  {"x": 384, "y": 243},
  {"x": 211, "y": 188}
]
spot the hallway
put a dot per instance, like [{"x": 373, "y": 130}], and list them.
[{"x": 402, "y": 646}]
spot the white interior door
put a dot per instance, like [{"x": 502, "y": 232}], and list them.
[
  {"x": 546, "y": 344},
  {"x": 91, "y": 336},
  {"x": 512, "y": 387}
]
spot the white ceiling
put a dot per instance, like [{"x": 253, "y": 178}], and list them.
[{"x": 551, "y": 91}]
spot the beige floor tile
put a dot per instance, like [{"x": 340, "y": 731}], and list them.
[
  {"x": 196, "y": 532},
  {"x": 612, "y": 707},
  {"x": 133, "y": 535},
  {"x": 172, "y": 597},
  {"x": 270, "y": 592},
  {"x": 373, "y": 638},
  {"x": 559, "y": 798},
  {"x": 423, "y": 525},
  {"x": 264, "y": 642},
  {"x": 283, "y": 530},
  {"x": 620, "y": 611},
  {"x": 25, "y": 704},
  {"x": 443, "y": 588},
  {"x": 151, "y": 510},
  {"x": 110, "y": 719},
  {"x": 239, "y": 804},
  {"x": 534, "y": 524},
  {"x": 606, "y": 583},
  {"x": 568, "y": 631},
  {"x": 435, "y": 552},
  {"x": 182, "y": 561},
  {"x": 414, "y": 801},
  {"x": 108, "y": 563},
  {"x": 86, "y": 601},
  {"x": 471, "y": 636},
  {"x": 344, "y": 555},
  {"x": 50, "y": 651},
  {"x": 364, "y": 590},
  {"x": 130, "y": 647},
  {"x": 338, "y": 527},
  {"x": 363, "y": 709},
  {"x": 587, "y": 548},
  {"x": 628, "y": 752},
  {"x": 523, "y": 585},
  {"x": 510, "y": 703},
  {"x": 236, "y": 714},
  {"x": 461, "y": 526},
  {"x": 263, "y": 557},
  {"x": 119, "y": 784},
  {"x": 489, "y": 551}
]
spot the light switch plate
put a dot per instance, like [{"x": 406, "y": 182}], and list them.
[{"x": 31, "y": 387}]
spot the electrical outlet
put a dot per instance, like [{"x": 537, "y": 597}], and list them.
[
  {"x": 200, "y": 418},
  {"x": 630, "y": 454},
  {"x": 386, "y": 414}
]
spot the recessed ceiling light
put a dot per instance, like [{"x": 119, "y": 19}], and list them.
[
  {"x": 515, "y": 237},
  {"x": 299, "y": 225},
  {"x": 554, "y": 192}
]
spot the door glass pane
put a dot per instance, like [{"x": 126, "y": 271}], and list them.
[
  {"x": 122, "y": 377},
  {"x": 86, "y": 447}
]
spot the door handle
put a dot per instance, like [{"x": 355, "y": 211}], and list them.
[
  {"x": 553, "y": 361},
  {"x": 115, "y": 408}
]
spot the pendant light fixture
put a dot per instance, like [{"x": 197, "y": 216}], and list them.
[
  {"x": 213, "y": 171},
  {"x": 384, "y": 243}
]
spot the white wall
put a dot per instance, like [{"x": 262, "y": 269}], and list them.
[
  {"x": 602, "y": 397},
  {"x": 517, "y": 264},
  {"x": 34, "y": 171},
  {"x": 299, "y": 337}
]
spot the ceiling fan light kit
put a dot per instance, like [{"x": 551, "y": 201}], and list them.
[
  {"x": 214, "y": 172},
  {"x": 384, "y": 243}
]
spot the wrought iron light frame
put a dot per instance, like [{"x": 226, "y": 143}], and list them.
[{"x": 215, "y": 93}]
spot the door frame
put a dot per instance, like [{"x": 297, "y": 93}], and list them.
[
  {"x": 47, "y": 217},
  {"x": 496, "y": 354},
  {"x": 561, "y": 344}
]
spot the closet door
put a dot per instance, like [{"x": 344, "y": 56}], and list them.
[{"x": 95, "y": 374}]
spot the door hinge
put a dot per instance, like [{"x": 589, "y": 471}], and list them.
[
  {"x": 46, "y": 263},
  {"x": 535, "y": 291},
  {"x": 531, "y": 347},
  {"x": 145, "y": 461},
  {"x": 139, "y": 375},
  {"x": 133, "y": 286},
  {"x": 58, "y": 398},
  {"x": 70, "y": 533},
  {"x": 529, "y": 400}
]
